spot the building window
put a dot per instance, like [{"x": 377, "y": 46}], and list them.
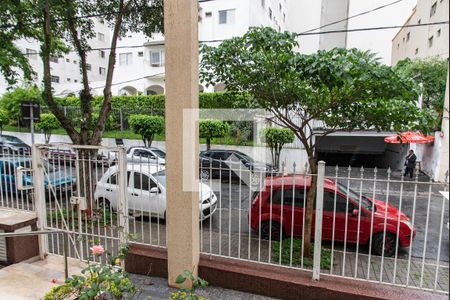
[
  {"x": 398, "y": 46},
  {"x": 75, "y": 81},
  {"x": 102, "y": 54},
  {"x": 100, "y": 36},
  {"x": 88, "y": 67},
  {"x": 408, "y": 35},
  {"x": 227, "y": 16},
  {"x": 54, "y": 59},
  {"x": 439, "y": 33},
  {"x": 67, "y": 60},
  {"x": 31, "y": 53},
  {"x": 140, "y": 54},
  {"x": 430, "y": 42},
  {"x": 284, "y": 17},
  {"x": 157, "y": 58},
  {"x": 419, "y": 21},
  {"x": 433, "y": 9},
  {"x": 101, "y": 71},
  {"x": 263, "y": 3},
  {"x": 417, "y": 51},
  {"x": 208, "y": 14},
  {"x": 68, "y": 79},
  {"x": 54, "y": 79},
  {"x": 279, "y": 7},
  {"x": 75, "y": 62},
  {"x": 270, "y": 14},
  {"x": 125, "y": 59},
  {"x": 403, "y": 39}
]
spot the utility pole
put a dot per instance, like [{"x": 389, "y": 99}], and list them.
[{"x": 181, "y": 48}]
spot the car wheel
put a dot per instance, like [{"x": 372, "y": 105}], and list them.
[
  {"x": 275, "y": 232},
  {"x": 389, "y": 244},
  {"x": 104, "y": 204},
  {"x": 204, "y": 174}
]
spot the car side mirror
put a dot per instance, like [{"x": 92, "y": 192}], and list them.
[
  {"x": 154, "y": 190},
  {"x": 355, "y": 212}
]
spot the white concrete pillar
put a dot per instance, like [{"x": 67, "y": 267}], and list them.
[{"x": 181, "y": 48}]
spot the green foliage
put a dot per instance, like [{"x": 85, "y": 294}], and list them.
[
  {"x": 431, "y": 73},
  {"x": 276, "y": 138},
  {"x": 209, "y": 129},
  {"x": 147, "y": 127},
  {"x": 296, "y": 247},
  {"x": 188, "y": 284},
  {"x": 47, "y": 124},
  {"x": 10, "y": 101},
  {"x": 108, "y": 280},
  {"x": 109, "y": 124},
  {"x": 241, "y": 131},
  {"x": 346, "y": 88},
  {"x": 4, "y": 119}
]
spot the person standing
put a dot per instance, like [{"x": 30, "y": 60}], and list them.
[{"x": 410, "y": 163}]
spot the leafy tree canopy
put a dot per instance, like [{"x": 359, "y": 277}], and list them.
[
  {"x": 147, "y": 127},
  {"x": 209, "y": 129},
  {"x": 431, "y": 73}
]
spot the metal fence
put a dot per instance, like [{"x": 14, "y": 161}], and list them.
[{"x": 367, "y": 224}]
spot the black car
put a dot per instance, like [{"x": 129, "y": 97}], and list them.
[
  {"x": 234, "y": 165},
  {"x": 12, "y": 145}
]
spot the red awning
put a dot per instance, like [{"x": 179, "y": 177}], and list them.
[{"x": 409, "y": 138}]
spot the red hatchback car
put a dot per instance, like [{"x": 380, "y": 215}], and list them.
[{"x": 285, "y": 216}]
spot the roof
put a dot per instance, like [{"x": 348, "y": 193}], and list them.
[
  {"x": 144, "y": 168},
  {"x": 297, "y": 180},
  {"x": 406, "y": 22},
  {"x": 15, "y": 159}
]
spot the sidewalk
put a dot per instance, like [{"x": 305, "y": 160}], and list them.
[{"x": 157, "y": 289}]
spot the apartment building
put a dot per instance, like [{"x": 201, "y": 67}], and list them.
[
  {"x": 218, "y": 20},
  {"x": 423, "y": 41},
  {"x": 66, "y": 76}
]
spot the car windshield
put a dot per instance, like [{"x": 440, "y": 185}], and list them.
[
  {"x": 160, "y": 176},
  {"x": 244, "y": 157},
  {"x": 365, "y": 202},
  {"x": 10, "y": 139},
  {"x": 159, "y": 153}
]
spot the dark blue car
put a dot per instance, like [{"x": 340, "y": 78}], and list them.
[{"x": 56, "y": 181}]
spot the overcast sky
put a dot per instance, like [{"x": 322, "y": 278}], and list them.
[{"x": 378, "y": 41}]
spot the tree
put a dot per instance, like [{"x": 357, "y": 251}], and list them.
[
  {"x": 11, "y": 100},
  {"x": 147, "y": 127},
  {"x": 47, "y": 124},
  {"x": 209, "y": 129},
  {"x": 346, "y": 89},
  {"x": 4, "y": 120},
  {"x": 431, "y": 74},
  {"x": 276, "y": 138}
]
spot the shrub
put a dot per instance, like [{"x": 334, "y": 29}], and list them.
[
  {"x": 4, "y": 119},
  {"x": 47, "y": 124},
  {"x": 212, "y": 129},
  {"x": 109, "y": 124},
  {"x": 10, "y": 101},
  {"x": 147, "y": 127},
  {"x": 276, "y": 138}
]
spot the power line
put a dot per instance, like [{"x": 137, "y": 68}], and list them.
[{"x": 354, "y": 16}]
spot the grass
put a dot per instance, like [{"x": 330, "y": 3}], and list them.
[
  {"x": 325, "y": 257},
  {"x": 103, "y": 217},
  {"x": 128, "y": 134}
]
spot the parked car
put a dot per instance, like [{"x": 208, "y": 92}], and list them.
[
  {"x": 288, "y": 196},
  {"x": 146, "y": 155},
  {"x": 146, "y": 191},
  {"x": 64, "y": 155},
  {"x": 217, "y": 164},
  {"x": 56, "y": 181},
  {"x": 12, "y": 145}
]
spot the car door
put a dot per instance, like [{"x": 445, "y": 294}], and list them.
[
  {"x": 288, "y": 206},
  {"x": 111, "y": 188},
  {"x": 342, "y": 215},
  {"x": 143, "y": 198}
]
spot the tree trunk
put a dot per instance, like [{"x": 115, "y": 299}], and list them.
[
  {"x": 311, "y": 198},
  {"x": 208, "y": 144}
]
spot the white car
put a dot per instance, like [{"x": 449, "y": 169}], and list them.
[
  {"x": 144, "y": 155},
  {"x": 146, "y": 191}
]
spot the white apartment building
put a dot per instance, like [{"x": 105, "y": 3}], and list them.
[
  {"x": 140, "y": 68},
  {"x": 423, "y": 41},
  {"x": 66, "y": 77}
]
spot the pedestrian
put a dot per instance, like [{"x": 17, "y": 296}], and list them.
[{"x": 410, "y": 163}]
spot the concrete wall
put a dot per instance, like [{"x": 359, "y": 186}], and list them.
[
  {"x": 395, "y": 156},
  {"x": 332, "y": 11}
]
